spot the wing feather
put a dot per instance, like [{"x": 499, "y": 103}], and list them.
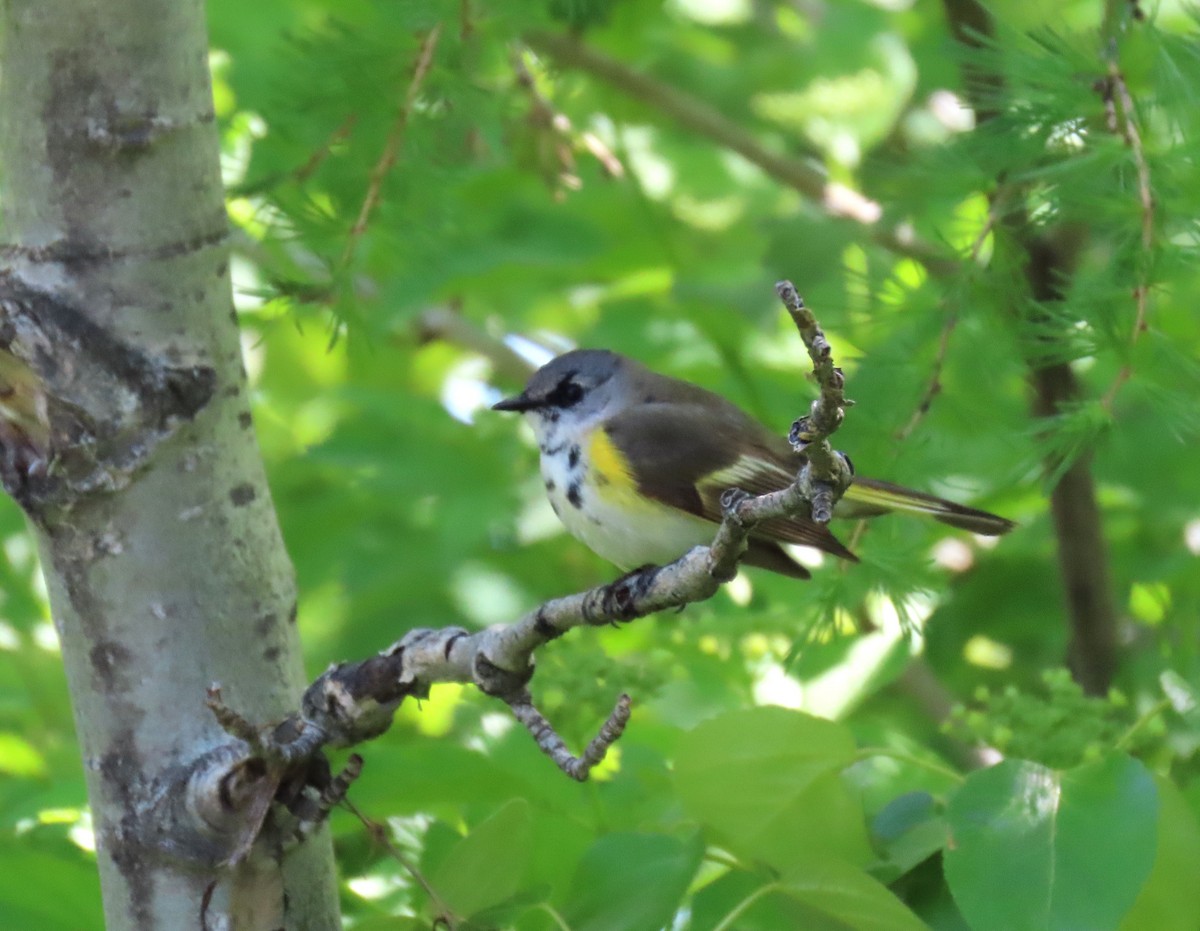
[
  {"x": 686, "y": 456},
  {"x": 686, "y": 446}
]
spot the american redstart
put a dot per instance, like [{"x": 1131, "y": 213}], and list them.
[{"x": 635, "y": 464}]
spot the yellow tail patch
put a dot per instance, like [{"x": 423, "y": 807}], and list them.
[{"x": 898, "y": 500}]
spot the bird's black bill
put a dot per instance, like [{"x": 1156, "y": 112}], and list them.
[{"x": 517, "y": 403}]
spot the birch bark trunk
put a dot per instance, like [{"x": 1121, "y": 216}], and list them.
[{"x": 127, "y": 438}]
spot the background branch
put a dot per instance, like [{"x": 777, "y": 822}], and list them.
[
  {"x": 448, "y": 324},
  {"x": 394, "y": 143},
  {"x": 1049, "y": 262},
  {"x": 694, "y": 114}
]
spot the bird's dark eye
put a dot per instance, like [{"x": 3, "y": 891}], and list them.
[{"x": 567, "y": 394}]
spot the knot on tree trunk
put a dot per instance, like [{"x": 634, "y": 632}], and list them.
[{"x": 80, "y": 410}]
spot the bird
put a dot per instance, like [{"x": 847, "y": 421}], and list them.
[{"x": 635, "y": 463}]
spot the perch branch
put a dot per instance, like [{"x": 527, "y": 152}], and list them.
[
  {"x": 353, "y": 702},
  {"x": 827, "y": 473}
]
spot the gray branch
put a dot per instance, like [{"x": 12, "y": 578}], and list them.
[
  {"x": 354, "y": 702},
  {"x": 826, "y": 476}
]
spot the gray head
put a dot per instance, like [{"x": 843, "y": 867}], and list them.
[{"x": 581, "y": 381}]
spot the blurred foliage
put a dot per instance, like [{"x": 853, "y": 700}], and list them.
[
  {"x": 539, "y": 207},
  {"x": 1061, "y": 728}
]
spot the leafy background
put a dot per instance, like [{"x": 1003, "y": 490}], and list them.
[{"x": 792, "y": 759}]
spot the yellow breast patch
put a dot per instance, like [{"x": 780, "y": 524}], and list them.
[{"x": 608, "y": 466}]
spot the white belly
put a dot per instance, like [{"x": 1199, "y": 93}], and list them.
[{"x": 614, "y": 522}]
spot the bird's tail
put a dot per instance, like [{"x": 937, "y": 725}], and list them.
[{"x": 867, "y": 496}]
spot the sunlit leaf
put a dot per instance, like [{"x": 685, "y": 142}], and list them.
[{"x": 1078, "y": 843}]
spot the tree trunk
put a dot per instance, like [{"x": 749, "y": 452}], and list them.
[{"x": 127, "y": 439}]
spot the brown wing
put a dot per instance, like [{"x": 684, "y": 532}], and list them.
[{"x": 683, "y": 455}]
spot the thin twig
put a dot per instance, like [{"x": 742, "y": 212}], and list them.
[
  {"x": 1113, "y": 20},
  {"x": 395, "y": 141},
  {"x": 826, "y": 474},
  {"x": 546, "y": 118},
  {"x": 934, "y": 387},
  {"x": 551, "y": 744},
  {"x": 305, "y": 171},
  {"x": 805, "y": 176},
  {"x": 1116, "y": 94},
  {"x": 379, "y": 834},
  {"x": 466, "y": 24}
]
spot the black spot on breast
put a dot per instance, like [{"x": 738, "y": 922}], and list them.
[
  {"x": 649, "y": 399},
  {"x": 573, "y": 458},
  {"x": 550, "y": 486},
  {"x": 574, "y": 495}
]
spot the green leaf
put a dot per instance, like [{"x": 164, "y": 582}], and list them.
[
  {"x": 1170, "y": 899},
  {"x": 825, "y": 894},
  {"x": 768, "y": 781},
  {"x": 628, "y": 882},
  {"x": 47, "y": 890},
  {"x": 846, "y": 897},
  {"x": 487, "y": 865},
  {"x": 1077, "y": 844},
  {"x": 417, "y": 774},
  {"x": 19, "y": 757},
  {"x": 717, "y": 900},
  {"x": 908, "y": 831}
]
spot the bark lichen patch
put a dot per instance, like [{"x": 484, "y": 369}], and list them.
[
  {"x": 242, "y": 494},
  {"x": 120, "y": 767},
  {"x": 72, "y": 555},
  {"x": 111, "y": 662}
]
